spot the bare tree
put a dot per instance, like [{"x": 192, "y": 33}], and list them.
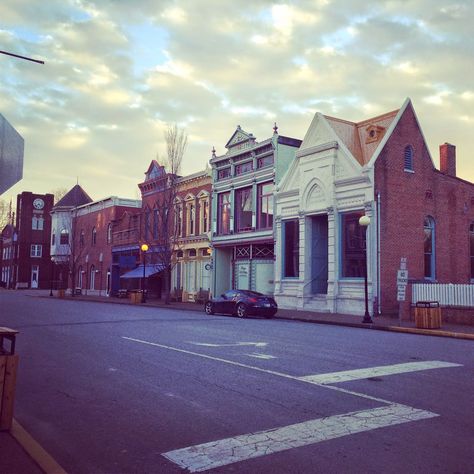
[
  {"x": 164, "y": 207},
  {"x": 6, "y": 214},
  {"x": 59, "y": 193}
]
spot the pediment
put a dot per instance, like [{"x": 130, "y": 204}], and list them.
[{"x": 239, "y": 137}]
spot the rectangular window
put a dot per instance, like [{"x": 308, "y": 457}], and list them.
[
  {"x": 36, "y": 250},
  {"x": 64, "y": 237},
  {"x": 291, "y": 233},
  {"x": 155, "y": 223},
  {"x": 353, "y": 246},
  {"x": 265, "y": 206},
  {"x": 224, "y": 173},
  {"x": 191, "y": 212},
  {"x": 223, "y": 213},
  {"x": 205, "y": 216},
  {"x": 37, "y": 223},
  {"x": 243, "y": 168},
  {"x": 265, "y": 161},
  {"x": 243, "y": 209}
]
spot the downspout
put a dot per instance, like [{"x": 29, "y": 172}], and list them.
[{"x": 379, "y": 306}]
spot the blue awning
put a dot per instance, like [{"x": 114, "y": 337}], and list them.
[{"x": 149, "y": 271}]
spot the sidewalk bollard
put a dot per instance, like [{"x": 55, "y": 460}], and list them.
[{"x": 8, "y": 370}]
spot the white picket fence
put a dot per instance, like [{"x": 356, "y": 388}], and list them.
[{"x": 447, "y": 294}]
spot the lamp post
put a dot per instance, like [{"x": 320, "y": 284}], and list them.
[
  {"x": 52, "y": 275},
  {"x": 144, "y": 249},
  {"x": 364, "y": 221}
]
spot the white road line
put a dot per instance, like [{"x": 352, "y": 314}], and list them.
[
  {"x": 261, "y": 356},
  {"x": 238, "y": 344},
  {"x": 240, "y": 448},
  {"x": 348, "y": 375},
  {"x": 258, "y": 369}
]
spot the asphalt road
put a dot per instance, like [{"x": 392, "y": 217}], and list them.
[{"x": 111, "y": 388}]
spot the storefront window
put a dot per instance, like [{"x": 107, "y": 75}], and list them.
[
  {"x": 353, "y": 246},
  {"x": 291, "y": 249}
]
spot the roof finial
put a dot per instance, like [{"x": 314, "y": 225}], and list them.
[
  {"x": 213, "y": 152},
  {"x": 275, "y": 128}
]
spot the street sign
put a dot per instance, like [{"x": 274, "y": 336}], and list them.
[
  {"x": 402, "y": 277},
  {"x": 401, "y": 294}
]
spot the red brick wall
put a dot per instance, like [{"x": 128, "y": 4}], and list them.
[
  {"x": 99, "y": 219},
  {"x": 406, "y": 198},
  {"x": 27, "y": 236}
]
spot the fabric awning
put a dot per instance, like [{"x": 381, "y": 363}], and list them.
[{"x": 149, "y": 271}]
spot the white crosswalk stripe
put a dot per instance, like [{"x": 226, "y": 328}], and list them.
[
  {"x": 357, "y": 374},
  {"x": 240, "y": 448}
]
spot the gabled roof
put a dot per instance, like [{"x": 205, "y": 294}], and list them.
[
  {"x": 155, "y": 170},
  {"x": 75, "y": 197},
  {"x": 362, "y": 138},
  {"x": 239, "y": 136}
]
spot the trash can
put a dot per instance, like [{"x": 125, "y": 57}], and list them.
[
  {"x": 427, "y": 315},
  {"x": 8, "y": 370},
  {"x": 135, "y": 296}
]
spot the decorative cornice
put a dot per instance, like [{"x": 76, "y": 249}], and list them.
[{"x": 317, "y": 149}]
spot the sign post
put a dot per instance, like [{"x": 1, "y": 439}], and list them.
[{"x": 402, "y": 281}]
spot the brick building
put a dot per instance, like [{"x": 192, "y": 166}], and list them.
[
  {"x": 33, "y": 226},
  {"x": 8, "y": 267},
  {"x": 191, "y": 262},
  {"x": 380, "y": 167},
  {"x": 92, "y": 241}
]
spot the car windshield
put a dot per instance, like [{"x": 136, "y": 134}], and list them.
[{"x": 250, "y": 293}]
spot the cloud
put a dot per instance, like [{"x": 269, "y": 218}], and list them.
[{"x": 117, "y": 72}]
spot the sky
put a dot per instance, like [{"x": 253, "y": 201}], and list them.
[{"x": 118, "y": 72}]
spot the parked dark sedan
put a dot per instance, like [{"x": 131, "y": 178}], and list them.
[{"x": 242, "y": 303}]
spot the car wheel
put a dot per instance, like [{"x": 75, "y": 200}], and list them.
[
  {"x": 209, "y": 308},
  {"x": 241, "y": 310}
]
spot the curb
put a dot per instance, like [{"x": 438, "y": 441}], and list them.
[
  {"x": 406, "y": 330},
  {"x": 36, "y": 452}
]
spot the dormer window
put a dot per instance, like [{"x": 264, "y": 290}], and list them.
[{"x": 374, "y": 133}]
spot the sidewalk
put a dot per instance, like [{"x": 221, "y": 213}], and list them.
[{"x": 381, "y": 323}]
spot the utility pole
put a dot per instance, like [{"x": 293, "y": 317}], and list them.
[{"x": 22, "y": 57}]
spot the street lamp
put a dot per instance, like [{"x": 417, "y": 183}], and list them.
[
  {"x": 144, "y": 249},
  {"x": 52, "y": 275},
  {"x": 364, "y": 221}
]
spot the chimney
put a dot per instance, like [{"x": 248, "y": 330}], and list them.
[{"x": 447, "y": 159}]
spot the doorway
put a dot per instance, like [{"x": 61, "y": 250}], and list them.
[
  {"x": 34, "y": 276},
  {"x": 319, "y": 255}
]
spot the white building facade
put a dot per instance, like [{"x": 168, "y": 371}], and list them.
[{"x": 321, "y": 250}]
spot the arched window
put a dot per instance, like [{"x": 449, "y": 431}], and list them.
[
  {"x": 92, "y": 278},
  {"x": 94, "y": 236},
  {"x": 408, "y": 158},
  {"x": 109, "y": 233},
  {"x": 81, "y": 238},
  {"x": 471, "y": 248},
  {"x": 64, "y": 237},
  {"x": 429, "y": 247},
  {"x": 79, "y": 277},
  {"x": 53, "y": 237}
]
